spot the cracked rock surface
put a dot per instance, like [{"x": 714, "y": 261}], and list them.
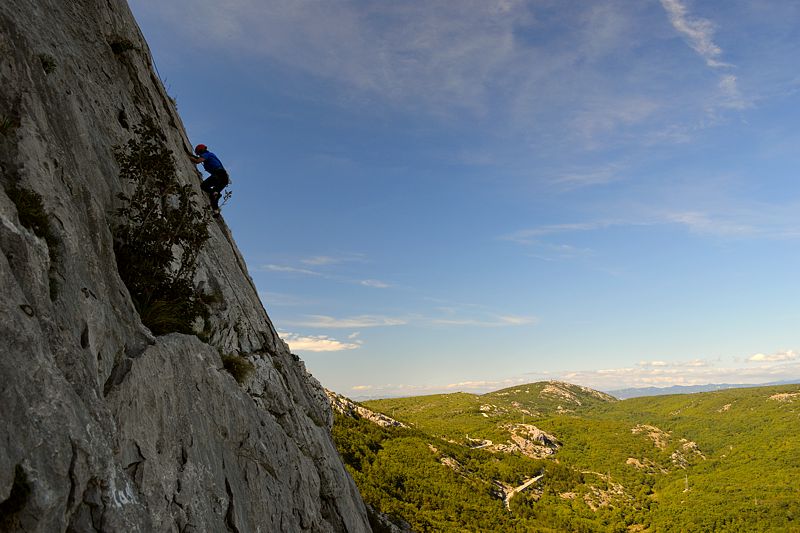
[{"x": 104, "y": 426}]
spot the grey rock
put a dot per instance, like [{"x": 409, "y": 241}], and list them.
[
  {"x": 104, "y": 426},
  {"x": 348, "y": 407}
]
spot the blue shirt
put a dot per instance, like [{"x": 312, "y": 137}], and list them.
[{"x": 211, "y": 162}]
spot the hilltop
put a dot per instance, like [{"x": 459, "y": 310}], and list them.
[
  {"x": 547, "y": 397},
  {"x": 495, "y": 416}
]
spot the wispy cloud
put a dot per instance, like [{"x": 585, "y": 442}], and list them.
[
  {"x": 288, "y": 269},
  {"x": 655, "y": 373},
  {"x": 588, "y": 177},
  {"x": 515, "y": 320},
  {"x": 325, "y": 268},
  {"x": 532, "y": 235},
  {"x": 285, "y": 300},
  {"x": 452, "y": 317},
  {"x": 387, "y": 390},
  {"x": 319, "y": 260},
  {"x": 374, "y": 283},
  {"x": 403, "y": 52},
  {"x": 653, "y": 363},
  {"x": 774, "y": 367},
  {"x": 493, "y": 322},
  {"x": 731, "y": 95},
  {"x": 734, "y": 221},
  {"x": 354, "y": 322},
  {"x": 317, "y": 343},
  {"x": 600, "y": 119},
  {"x": 484, "y": 385},
  {"x": 474, "y": 315},
  {"x": 557, "y": 252},
  {"x": 550, "y": 71},
  {"x": 699, "y": 34},
  {"x": 322, "y": 260},
  {"x": 704, "y": 223}
]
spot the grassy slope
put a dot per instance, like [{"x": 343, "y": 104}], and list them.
[
  {"x": 752, "y": 448},
  {"x": 741, "y": 474}
]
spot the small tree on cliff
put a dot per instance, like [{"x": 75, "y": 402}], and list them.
[{"x": 158, "y": 235}]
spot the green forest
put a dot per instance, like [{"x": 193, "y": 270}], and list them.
[{"x": 720, "y": 461}]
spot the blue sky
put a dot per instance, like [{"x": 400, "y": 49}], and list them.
[{"x": 439, "y": 196}]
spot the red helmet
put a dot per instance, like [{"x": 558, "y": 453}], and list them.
[{"x": 200, "y": 148}]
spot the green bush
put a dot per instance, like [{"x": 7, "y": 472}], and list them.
[
  {"x": 120, "y": 45},
  {"x": 31, "y": 212},
  {"x": 48, "y": 63},
  {"x": 7, "y": 125},
  {"x": 238, "y": 367},
  {"x": 159, "y": 235}
]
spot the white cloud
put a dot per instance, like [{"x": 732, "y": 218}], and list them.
[
  {"x": 317, "y": 343},
  {"x": 354, "y": 322},
  {"x": 787, "y": 355},
  {"x": 361, "y": 387}
]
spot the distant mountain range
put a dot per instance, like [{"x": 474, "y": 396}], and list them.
[
  {"x": 633, "y": 392},
  {"x": 624, "y": 394}
]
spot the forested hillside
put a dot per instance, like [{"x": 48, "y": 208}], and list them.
[{"x": 557, "y": 457}]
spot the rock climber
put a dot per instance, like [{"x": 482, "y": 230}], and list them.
[{"x": 218, "y": 179}]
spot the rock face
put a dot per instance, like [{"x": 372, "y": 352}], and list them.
[
  {"x": 104, "y": 426},
  {"x": 529, "y": 440}
]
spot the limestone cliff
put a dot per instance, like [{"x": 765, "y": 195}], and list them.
[{"x": 104, "y": 426}]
